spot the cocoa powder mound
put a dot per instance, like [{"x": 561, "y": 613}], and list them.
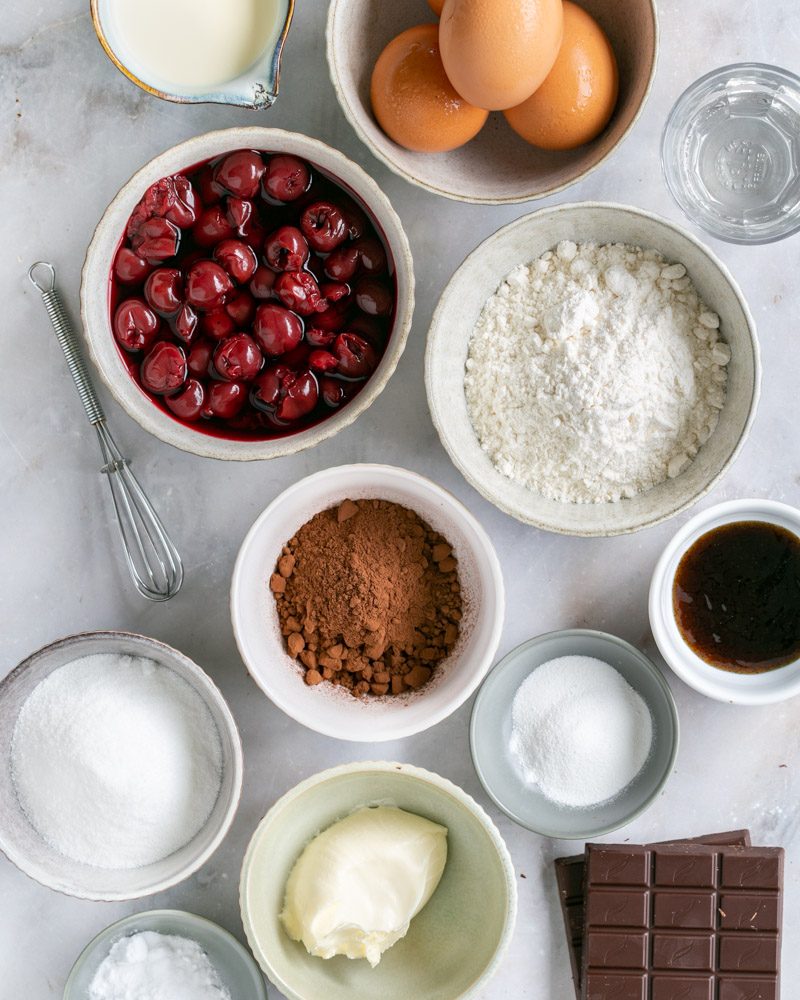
[{"x": 368, "y": 598}]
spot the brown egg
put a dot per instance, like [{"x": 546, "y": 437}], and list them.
[
  {"x": 497, "y": 52},
  {"x": 576, "y": 101},
  {"x": 413, "y": 100},
  {"x": 436, "y": 6}
]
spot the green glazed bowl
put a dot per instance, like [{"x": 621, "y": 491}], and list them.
[
  {"x": 453, "y": 946},
  {"x": 236, "y": 968},
  {"x": 490, "y": 734}
]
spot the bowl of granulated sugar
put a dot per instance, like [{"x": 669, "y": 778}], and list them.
[
  {"x": 592, "y": 369},
  {"x": 574, "y": 734},
  {"x": 120, "y": 766}
]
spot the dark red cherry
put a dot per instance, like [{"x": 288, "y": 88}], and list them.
[
  {"x": 209, "y": 191},
  {"x": 184, "y": 209},
  {"x": 368, "y": 327},
  {"x": 317, "y": 337},
  {"x": 185, "y": 324},
  {"x": 372, "y": 255},
  {"x": 135, "y": 325},
  {"x": 188, "y": 403},
  {"x": 239, "y": 213},
  {"x": 355, "y": 356},
  {"x": 207, "y": 285},
  {"x": 240, "y": 173},
  {"x": 286, "y": 249},
  {"x": 343, "y": 263},
  {"x": 335, "y": 317},
  {"x": 253, "y": 233},
  {"x": 355, "y": 219},
  {"x": 289, "y": 395},
  {"x": 276, "y": 329},
  {"x": 217, "y": 323},
  {"x": 199, "y": 358},
  {"x": 164, "y": 368},
  {"x": 225, "y": 399},
  {"x": 130, "y": 268},
  {"x": 238, "y": 259},
  {"x": 164, "y": 290},
  {"x": 263, "y": 284},
  {"x": 323, "y": 226},
  {"x": 322, "y": 361},
  {"x": 332, "y": 391},
  {"x": 334, "y": 291},
  {"x": 286, "y": 177},
  {"x": 241, "y": 308},
  {"x": 299, "y": 291},
  {"x": 156, "y": 240},
  {"x": 238, "y": 358},
  {"x": 373, "y": 297},
  {"x": 212, "y": 227}
]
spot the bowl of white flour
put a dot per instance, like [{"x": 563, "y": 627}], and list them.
[
  {"x": 120, "y": 766},
  {"x": 592, "y": 369}
]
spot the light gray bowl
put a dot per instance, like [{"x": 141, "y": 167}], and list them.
[
  {"x": 237, "y": 970},
  {"x": 490, "y": 732},
  {"x": 23, "y": 845},
  {"x": 479, "y": 277},
  {"x": 498, "y": 166}
]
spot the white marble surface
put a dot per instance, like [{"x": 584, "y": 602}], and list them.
[{"x": 74, "y": 130}]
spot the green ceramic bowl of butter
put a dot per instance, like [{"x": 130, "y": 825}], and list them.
[{"x": 453, "y": 945}]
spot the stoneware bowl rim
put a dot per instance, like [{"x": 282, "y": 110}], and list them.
[
  {"x": 94, "y": 290},
  {"x": 183, "y": 921},
  {"x": 233, "y": 764},
  {"x": 345, "y": 105},
  {"x": 500, "y": 495},
  {"x": 721, "y": 685},
  {"x": 376, "y": 728},
  {"x": 464, "y": 799},
  {"x": 602, "y": 638}
]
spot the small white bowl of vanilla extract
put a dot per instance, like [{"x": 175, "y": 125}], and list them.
[{"x": 725, "y": 602}]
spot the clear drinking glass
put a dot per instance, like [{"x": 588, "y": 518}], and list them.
[{"x": 730, "y": 153}]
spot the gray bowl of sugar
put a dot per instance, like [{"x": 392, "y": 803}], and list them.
[
  {"x": 501, "y": 769},
  {"x": 233, "y": 968},
  {"x": 179, "y": 712}
]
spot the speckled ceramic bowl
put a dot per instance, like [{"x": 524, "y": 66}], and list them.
[
  {"x": 490, "y": 734},
  {"x": 526, "y": 239},
  {"x": 454, "y": 945},
  {"x": 23, "y": 845},
  {"x": 257, "y": 87},
  {"x": 497, "y": 166},
  {"x": 95, "y": 289},
  {"x": 238, "y": 972}
]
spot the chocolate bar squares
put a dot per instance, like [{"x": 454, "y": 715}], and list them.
[
  {"x": 682, "y": 922},
  {"x": 569, "y": 879}
]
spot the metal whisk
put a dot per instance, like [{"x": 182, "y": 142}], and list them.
[{"x": 152, "y": 559}]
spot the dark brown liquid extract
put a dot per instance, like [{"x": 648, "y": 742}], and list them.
[{"x": 736, "y": 597}]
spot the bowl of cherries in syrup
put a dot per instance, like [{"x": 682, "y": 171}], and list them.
[{"x": 248, "y": 293}]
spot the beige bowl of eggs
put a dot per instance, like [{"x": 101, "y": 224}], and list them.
[{"x": 493, "y": 67}]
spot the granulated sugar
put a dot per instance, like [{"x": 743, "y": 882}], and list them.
[
  {"x": 580, "y": 733},
  {"x": 116, "y": 761},
  {"x": 595, "y": 373}
]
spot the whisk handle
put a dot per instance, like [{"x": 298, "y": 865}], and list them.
[{"x": 43, "y": 277}]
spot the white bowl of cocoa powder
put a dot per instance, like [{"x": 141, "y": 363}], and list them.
[{"x": 367, "y": 603}]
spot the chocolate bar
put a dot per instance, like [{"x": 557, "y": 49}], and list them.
[
  {"x": 682, "y": 922},
  {"x": 569, "y": 879}
]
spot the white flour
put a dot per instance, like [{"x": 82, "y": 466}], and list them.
[
  {"x": 580, "y": 733},
  {"x": 595, "y": 373}
]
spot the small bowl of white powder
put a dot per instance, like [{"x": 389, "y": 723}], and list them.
[
  {"x": 592, "y": 369},
  {"x": 120, "y": 766},
  {"x": 574, "y": 734},
  {"x": 165, "y": 955}
]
